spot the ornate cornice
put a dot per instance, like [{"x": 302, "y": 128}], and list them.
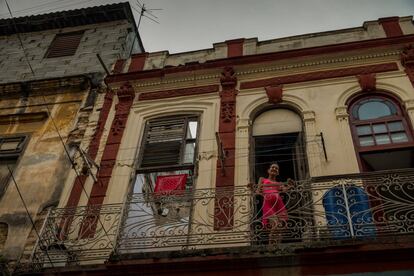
[
  {"x": 162, "y": 94},
  {"x": 264, "y": 69},
  {"x": 42, "y": 87},
  {"x": 318, "y": 75},
  {"x": 23, "y": 118}
]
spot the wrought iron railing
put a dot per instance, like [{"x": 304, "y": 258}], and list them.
[{"x": 335, "y": 208}]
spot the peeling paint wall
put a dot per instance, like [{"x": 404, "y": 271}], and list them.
[{"x": 43, "y": 166}]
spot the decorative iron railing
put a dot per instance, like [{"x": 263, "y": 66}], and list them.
[{"x": 335, "y": 208}]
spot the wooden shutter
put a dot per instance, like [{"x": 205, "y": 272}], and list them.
[
  {"x": 163, "y": 142},
  {"x": 64, "y": 44}
]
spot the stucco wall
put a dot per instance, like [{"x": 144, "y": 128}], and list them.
[
  {"x": 111, "y": 40},
  {"x": 43, "y": 165}
]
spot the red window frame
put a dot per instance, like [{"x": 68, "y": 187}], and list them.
[{"x": 400, "y": 116}]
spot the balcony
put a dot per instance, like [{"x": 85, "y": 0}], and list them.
[{"x": 321, "y": 212}]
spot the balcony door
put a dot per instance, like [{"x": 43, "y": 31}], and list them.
[{"x": 278, "y": 137}]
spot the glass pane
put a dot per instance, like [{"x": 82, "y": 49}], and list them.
[
  {"x": 395, "y": 126},
  {"x": 373, "y": 109},
  {"x": 363, "y": 130},
  {"x": 366, "y": 141},
  {"x": 382, "y": 139},
  {"x": 399, "y": 137},
  {"x": 379, "y": 128},
  {"x": 189, "y": 153},
  {"x": 192, "y": 130}
]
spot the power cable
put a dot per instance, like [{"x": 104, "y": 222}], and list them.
[
  {"x": 57, "y": 131},
  {"x": 74, "y": 166}
]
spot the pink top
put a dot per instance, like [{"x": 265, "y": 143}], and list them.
[{"x": 271, "y": 186}]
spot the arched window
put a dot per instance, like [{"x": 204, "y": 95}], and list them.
[{"x": 382, "y": 135}]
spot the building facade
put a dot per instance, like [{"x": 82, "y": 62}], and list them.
[
  {"x": 185, "y": 140},
  {"x": 51, "y": 80}
]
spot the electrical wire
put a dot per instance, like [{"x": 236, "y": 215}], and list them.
[
  {"x": 59, "y": 135},
  {"x": 73, "y": 165}
]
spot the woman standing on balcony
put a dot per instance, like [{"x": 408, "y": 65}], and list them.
[{"x": 275, "y": 215}]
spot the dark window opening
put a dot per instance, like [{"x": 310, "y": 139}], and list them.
[
  {"x": 388, "y": 159},
  {"x": 10, "y": 150},
  {"x": 287, "y": 150},
  {"x": 64, "y": 44}
]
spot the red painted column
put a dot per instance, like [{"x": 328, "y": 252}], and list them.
[
  {"x": 76, "y": 192},
  {"x": 407, "y": 60},
  {"x": 223, "y": 215},
  {"x": 235, "y": 47},
  {"x": 391, "y": 26},
  {"x": 79, "y": 183},
  {"x": 137, "y": 62},
  {"x": 125, "y": 96},
  {"x": 119, "y": 66}
]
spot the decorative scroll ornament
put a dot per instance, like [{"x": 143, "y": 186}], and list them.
[
  {"x": 407, "y": 56},
  {"x": 228, "y": 79},
  {"x": 126, "y": 92},
  {"x": 274, "y": 93},
  {"x": 227, "y": 112},
  {"x": 367, "y": 82}
]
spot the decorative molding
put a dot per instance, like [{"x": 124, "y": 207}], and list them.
[
  {"x": 228, "y": 79},
  {"x": 318, "y": 62},
  {"x": 178, "y": 92},
  {"x": 308, "y": 116},
  {"x": 227, "y": 112},
  {"x": 407, "y": 60},
  {"x": 264, "y": 69},
  {"x": 318, "y": 75},
  {"x": 341, "y": 113},
  {"x": 125, "y": 93},
  {"x": 267, "y": 57},
  {"x": 409, "y": 105},
  {"x": 407, "y": 55},
  {"x": 23, "y": 118},
  {"x": 43, "y": 87},
  {"x": 274, "y": 93},
  {"x": 367, "y": 82}
]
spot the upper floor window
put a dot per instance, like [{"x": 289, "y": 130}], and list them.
[
  {"x": 64, "y": 44},
  {"x": 379, "y": 121},
  {"x": 169, "y": 142},
  {"x": 382, "y": 134},
  {"x": 10, "y": 151}
]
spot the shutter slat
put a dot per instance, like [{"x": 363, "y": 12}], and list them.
[
  {"x": 163, "y": 143},
  {"x": 64, "y": 44}
]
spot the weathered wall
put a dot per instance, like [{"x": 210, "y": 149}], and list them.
[
  {"x": 43, "y": 165},
  {"x": 111, "y": 40}
]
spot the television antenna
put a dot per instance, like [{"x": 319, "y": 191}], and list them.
[{"x": 144, "y": 12}]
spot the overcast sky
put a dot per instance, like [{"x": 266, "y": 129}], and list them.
[{"x": 186, "y": 25}]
